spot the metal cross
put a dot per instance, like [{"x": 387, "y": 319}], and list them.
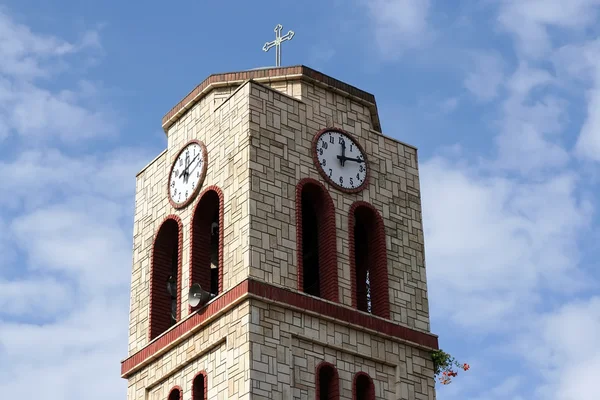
[{"x": 277, "y": 43}]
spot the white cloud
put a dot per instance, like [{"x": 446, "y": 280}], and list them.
[
  {"x": 497, "y": 241},
  {"x": 486, "y": 75},
  {"x": 399, "y": 24},
  {"x": 52, "y": 174},
  {"x": 504, "y": 229},
  {"x": 38, "y": 114},
  {"x": 536, "y": 26},
  {"x": 65, "y": 229},
  {"x": 74, "y": 357},
  {"x": 531, "y": 21},
  {"x": 588, "y": 143},
  {"x": 531, "y": 125},
  {"x": 561, "y": 345},
  {"x": 81, "y": 237},
  {"x": 33, "y": 297},
  {"x": 28, "y": 55},
  {"x": 526, "y": 78},
  {"x": 579, "y": 65}
]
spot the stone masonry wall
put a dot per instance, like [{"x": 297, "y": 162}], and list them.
[
  {"x": 221, "y": 121},
  {"x": 258, "y": 141},
  {"x": 287, "y": 346},
  {"x": 221, "y": 125},
  {"x": 261, "y": 350},
  {"x": 282, "y": 129},
  {"x": 221, "y": 349}
]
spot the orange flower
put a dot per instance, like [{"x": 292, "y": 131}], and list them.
[{"x": 466, "y": 367}]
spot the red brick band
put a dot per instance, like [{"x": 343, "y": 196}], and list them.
[{"x": 281, "y": 295}]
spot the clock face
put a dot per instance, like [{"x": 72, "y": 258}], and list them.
[
  {"x": 340, "y": 160},
  {"x": 187, "y": 173}
]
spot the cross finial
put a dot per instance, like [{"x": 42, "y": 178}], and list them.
[{"x": 277, "y": 43}]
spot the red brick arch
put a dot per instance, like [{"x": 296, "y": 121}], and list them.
[
  {"x": 327, "y": 237},
  {"x": 200, "y": 386},
  {"x": 334, "y": 381},
  {"x": 176, "y": 393},
  {"x": 363, "y": 387},
  {"x": 200, "y": 243},
  {"x": 169, "y": 232},
  {"x": 377, "y": 257}
]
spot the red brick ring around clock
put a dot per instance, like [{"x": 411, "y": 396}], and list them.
[{"x": 315, "y": 156}]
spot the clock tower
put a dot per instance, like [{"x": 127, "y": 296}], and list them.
[{"x": 278, "y": 249}]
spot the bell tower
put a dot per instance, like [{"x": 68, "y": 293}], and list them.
[{"x": 293, "y": 225}]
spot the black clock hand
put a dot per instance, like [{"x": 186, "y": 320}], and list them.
[
  {"x": 187, "y": 165},
  {"x": 343, "y": 157},
  {"x": 194, "y": 167},
  {"x": 358, "y": 160},
  {"x": 184, "y": 172},
  {"x": 193, "y": 159}
]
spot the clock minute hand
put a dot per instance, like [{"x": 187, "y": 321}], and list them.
[
  {"x": 193, "y": 159},
  {"x": 184, "y": 172},
  {"x": 358, "y": 160},
  {"x": 195, "y": 166}
]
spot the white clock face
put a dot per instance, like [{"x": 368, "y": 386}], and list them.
[
  {"x": 187, "y": 173},
  {"x": 341, "y": 160}
]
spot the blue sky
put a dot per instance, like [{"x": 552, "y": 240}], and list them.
[{"x": 501, "y": 97}]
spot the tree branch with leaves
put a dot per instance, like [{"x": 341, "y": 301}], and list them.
[{"x": 443, "y": 366}]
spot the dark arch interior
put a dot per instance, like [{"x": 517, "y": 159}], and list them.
[
  {"x": 199, "y": 387},
  {"x": 205, "y": 242},
  {"x": 175, "y": 395},
  {"x": 362, "y": 250},
  {"x": 310, "y": 241},
  {"x": 328, "y": 388},
  {"x": 370, "y": 264},
  {"x": 364, "y": 388},
  {"x": 165, "y": 271}
]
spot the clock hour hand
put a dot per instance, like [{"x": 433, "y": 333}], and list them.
[
  {"x": 185, "y": 172},
  {"x": 343, "y": 157}
]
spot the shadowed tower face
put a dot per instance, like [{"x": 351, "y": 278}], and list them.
[{"x": 281, "y": 198}]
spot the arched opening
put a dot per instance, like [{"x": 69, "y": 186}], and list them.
[
  {"x": 207, "y": 235},
  {"x": 310, "y": 245},
  {"x": 368, "y": 260},
  {"x": 363, "y": 388},
  {"x": 361, "y": 257},
  {"x": 317, "y": 258},
  {"x": 199, "y": 387},
  {"x": 165, "y": 277},
  {"x": 328, "y": 385},
  {"x": 175, "y": 394}
]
